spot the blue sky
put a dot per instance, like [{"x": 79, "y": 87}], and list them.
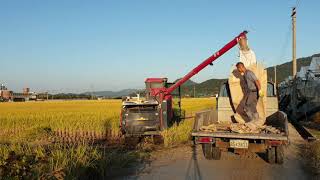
[{"x": 75, "y": 46}]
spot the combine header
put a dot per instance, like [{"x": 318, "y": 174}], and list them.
[{"x": 148, "y": 116}]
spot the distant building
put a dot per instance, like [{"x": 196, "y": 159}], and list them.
[{"x": 7, "y": 95}]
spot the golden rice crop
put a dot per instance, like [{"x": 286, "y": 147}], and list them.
[
  {"x": 95, "y": 116},
  {"x": 178, "y": 134},
  {"x": 79, "y": 160},
  {"x": 70, "y": 115},
  {"x": 192, "y": 105}
]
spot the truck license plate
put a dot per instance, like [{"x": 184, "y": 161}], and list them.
[{"x": 236, "y": 143}]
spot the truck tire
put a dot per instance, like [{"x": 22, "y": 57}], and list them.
[
  {"x": 279, "y": 155},
  {"x": 216, "y": 153},
  {"x": 271, "y": 155},
  {"x": 131, "y": 141},
  {"x": 158, "y": 140},
  {"x": 207, "y": 151}
]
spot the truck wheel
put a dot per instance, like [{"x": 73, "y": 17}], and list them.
[
  {"x": 216, "y": 153},
  {"x": 279, "y": 154},
  {"x": 271, "y": 155},
  {"x": 207, "y": 151},
  {"x": 131, "y": 141},
  {"x": 158, "y": 140}
]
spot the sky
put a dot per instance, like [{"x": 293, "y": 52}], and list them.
[{"x": 78, "y": 46}]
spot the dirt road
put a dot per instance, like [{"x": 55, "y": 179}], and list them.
[{"x": 188, "y": 163}]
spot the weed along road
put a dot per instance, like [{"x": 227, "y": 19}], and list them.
[{"x": 188, "y": 162}]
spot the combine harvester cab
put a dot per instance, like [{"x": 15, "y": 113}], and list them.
[
  {"x": 147, "y": 116},
  {"x": 140, "y": 118},
  {"x": 300, "y": 96}
]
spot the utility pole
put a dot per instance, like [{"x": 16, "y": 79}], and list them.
[
  {"x": 275, "y": 74},
  {"x": 275, "y": 79},
  {"x": 294, "y": 61},
  {"x": 91, "y": 88}
]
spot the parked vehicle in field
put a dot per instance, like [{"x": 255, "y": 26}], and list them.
[
  {"x": 299, "y": 96},
  {"x": 149, "y": 116},
  {"x": 213, "y": 143}
]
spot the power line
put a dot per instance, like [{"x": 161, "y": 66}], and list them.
[{"x": 286, "y": 43}]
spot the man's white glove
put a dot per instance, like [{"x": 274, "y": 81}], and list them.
[{"x": 261, "y": 94}]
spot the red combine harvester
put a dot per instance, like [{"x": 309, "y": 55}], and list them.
[{"x": 149, "y": 116}]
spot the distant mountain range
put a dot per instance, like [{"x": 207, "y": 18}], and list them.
[
  {"x": 206, "y": 88},
  {"x": 113, "y": 94},
  {"x": 211, "y": 87}
]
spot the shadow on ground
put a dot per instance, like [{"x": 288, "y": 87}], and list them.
[{"x": 193, "y": 170}]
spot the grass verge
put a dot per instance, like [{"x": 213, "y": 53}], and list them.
[
  {"x": 311, "y": 154},
  {"x": 59, "y": 161}
]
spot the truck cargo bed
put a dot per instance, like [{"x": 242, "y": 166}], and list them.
[{"x": 205, "y": 118}]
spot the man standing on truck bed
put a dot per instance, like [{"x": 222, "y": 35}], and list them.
[{"x": 252, "y": 89}]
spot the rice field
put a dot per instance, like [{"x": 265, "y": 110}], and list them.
[
  {"x": 21, "y": 120},
  {"x": 73, "y": 115},
  {"x": 22, "y": 156}
]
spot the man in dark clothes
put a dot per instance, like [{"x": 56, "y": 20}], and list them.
[{"x": 252, "y": 89}]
